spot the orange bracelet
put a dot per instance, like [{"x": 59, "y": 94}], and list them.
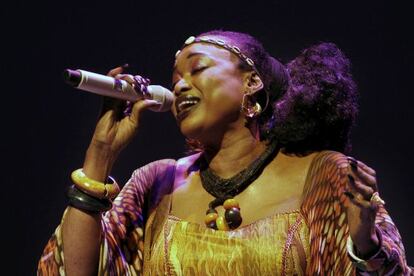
[{"x": 93, "y": 187}]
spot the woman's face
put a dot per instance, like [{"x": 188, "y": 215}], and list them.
[{"x": 209, "y": 89}]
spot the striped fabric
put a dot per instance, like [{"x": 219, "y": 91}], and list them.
[{"x": 135, "y": 224}]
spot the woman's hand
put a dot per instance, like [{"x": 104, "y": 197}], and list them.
[
  {"x": 362, "y": 207},
  {"x": 117, "y": 125}
]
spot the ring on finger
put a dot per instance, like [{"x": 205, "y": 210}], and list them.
[{"x": 376, "y": 199}]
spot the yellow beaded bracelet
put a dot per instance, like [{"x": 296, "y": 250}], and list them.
[{"x": 95, "y": 188}]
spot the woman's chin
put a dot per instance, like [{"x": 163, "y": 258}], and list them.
[
  {"x": 194, "y": 128},
  {"x": 190, "y": 130}
]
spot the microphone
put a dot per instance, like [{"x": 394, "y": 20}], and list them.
[{"x": 116, "y": 88}]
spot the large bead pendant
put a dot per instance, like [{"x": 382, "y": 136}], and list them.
[
  {"x": 233, "y": 217},
  {"x": 231, "y": 220}
]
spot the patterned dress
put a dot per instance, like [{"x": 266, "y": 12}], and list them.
[{"x": 141, "y": 237}]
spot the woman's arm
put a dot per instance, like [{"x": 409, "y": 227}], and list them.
[
  {"x": 81, "y": 230},
  {"x": 120, "y": 248},
  {"x": 374, "y": 243},
  {"x": 325, "y": 210}
]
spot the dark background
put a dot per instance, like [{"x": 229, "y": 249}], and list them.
[{"x": 47, "y": 125}]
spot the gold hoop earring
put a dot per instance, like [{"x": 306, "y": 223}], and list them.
[{"x": 250, "y": 109}]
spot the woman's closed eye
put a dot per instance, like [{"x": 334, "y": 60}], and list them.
[{"x": 197, "y": 69}]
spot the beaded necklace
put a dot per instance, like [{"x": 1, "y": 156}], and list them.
[{"x": 225, "y": 189}]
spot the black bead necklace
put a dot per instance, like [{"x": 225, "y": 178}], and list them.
[{"x": 225, "y": 189}]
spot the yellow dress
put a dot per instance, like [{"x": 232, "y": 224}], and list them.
[
  {"x": 140, "y": 237},
  {"x": 275, "y": 245}
]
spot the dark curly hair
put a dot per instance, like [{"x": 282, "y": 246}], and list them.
[
  {"x": 312, "y": 100},
  {"x": 319, "y": 108}
]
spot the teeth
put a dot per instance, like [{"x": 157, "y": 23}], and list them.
[{"x": 186, "y": 103}]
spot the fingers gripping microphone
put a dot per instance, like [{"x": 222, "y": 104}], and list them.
[{"x": 116, "y": 88}]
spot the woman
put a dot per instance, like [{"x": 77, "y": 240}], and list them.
[{"x": 266, "y": 191}]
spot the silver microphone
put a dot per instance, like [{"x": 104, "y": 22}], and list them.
[{"x": 116, "y": 88}]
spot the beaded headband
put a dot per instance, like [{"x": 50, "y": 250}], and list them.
[{"x": 221, "y": 43}]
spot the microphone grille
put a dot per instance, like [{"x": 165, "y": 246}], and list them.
[{"x": 163, "y": 96}]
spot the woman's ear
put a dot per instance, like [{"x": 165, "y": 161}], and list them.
[{"x": 253, "y": 82}]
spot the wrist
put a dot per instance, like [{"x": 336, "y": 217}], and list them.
[
  {"x": 99, "y": 160},
  {"x": 367, "y": 247},
  {"x": 371, "y": 263}
]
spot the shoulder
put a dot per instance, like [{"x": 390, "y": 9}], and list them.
[
  {"x": 145, "y": 178},
  {"x": 158, "y": 177},
  {"x": 162, "y": 166},
  {"x": 329, "y": 161},
  {"x": 328, "y": 172},
  {"x": 153, "y": 169},
  {"x": 325, "y": 185},
  {"x": 184, "y": 167}
]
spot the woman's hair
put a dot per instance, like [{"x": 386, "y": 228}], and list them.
[
  {"x": 319, "y": 108},
  {"x": 312, "y": 100}
]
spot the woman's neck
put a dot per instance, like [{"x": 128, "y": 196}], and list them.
[{"x": 235, "y": 153}]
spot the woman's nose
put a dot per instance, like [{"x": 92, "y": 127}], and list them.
[{"x": 181, "y": 86}]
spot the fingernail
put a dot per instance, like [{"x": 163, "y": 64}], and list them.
[
  {"x": 126, "y": 65},
  {"x": 352, "y": 162}
]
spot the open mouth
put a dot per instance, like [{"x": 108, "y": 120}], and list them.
[{"x": 185, "y": 103}]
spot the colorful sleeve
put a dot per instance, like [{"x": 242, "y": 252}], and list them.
[
  {"x": 122, "y": 246},
  {"x": 324, "y": 209},
  {"x": 390, "y": 258},
  {"x": 323, "y": 213}
]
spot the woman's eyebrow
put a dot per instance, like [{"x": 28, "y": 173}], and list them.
[
  {"x": 190, "y": 56},
  {"x": 195, "y": 54}
]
